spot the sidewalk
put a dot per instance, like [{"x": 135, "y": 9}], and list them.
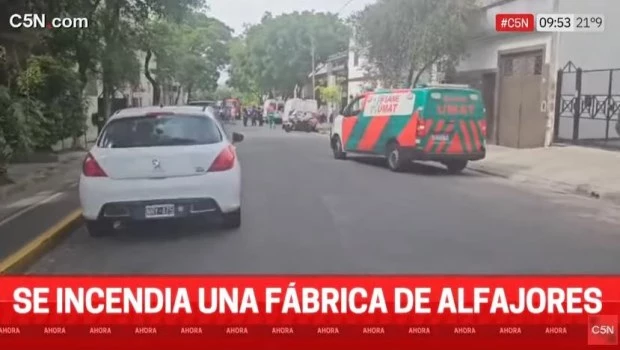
[
  {"x": 25, "y": 176},
  {"x": 37, "y": 209},
  {"x": 586, "y": 171}
]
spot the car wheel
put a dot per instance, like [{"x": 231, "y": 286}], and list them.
[
  {"x": 339, "y": 152},
  {"x": 456, "y": 166},
  {"x": 232, "y": 220},
  {"x": 98, "y": 228},
  {"x": 395, "y": 160}
]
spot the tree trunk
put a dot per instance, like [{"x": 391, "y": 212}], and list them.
[
  {"x": 424, "y": 68},
  {"x": 107, "y": 102},
  {"x": 410, "y": 74},
  {"x": 189, "y": 92},
  {"x": 176, "y": 99},
  {"x": 149, "y": 77}
]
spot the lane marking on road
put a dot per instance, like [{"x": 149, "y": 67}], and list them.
[
  {"x": 31, "y": 207},
  {"x": 38, "y": 245}
]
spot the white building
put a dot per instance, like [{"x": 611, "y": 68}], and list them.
[
  {"x": 517, "y": 72},
  {"x": 360, "y": 73}
]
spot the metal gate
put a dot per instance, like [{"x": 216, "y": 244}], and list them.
[
  {"x": 520, "y": 123},
  {"x": 587, "y": 107}
]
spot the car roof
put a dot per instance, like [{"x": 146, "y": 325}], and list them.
[{"x": 140, "y": 111}]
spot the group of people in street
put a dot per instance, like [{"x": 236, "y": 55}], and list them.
[{"x": 254, "y": 114}]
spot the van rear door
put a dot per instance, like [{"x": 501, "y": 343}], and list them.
[{"x": 454, "y": 122}]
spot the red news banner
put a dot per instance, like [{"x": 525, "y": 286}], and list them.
[{"x": 366, "y": 312}]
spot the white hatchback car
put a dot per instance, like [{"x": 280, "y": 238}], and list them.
[{"x": 155, "y": 163}]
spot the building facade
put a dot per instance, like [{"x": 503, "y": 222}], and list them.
[{"x": 517, "y": 72}]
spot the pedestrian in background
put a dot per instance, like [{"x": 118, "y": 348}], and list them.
[
  {"x": 259, "y": 115},
  {"x": 246, "y": 114}
]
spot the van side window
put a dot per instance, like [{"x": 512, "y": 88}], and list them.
[{"x": 355, "y": 107}]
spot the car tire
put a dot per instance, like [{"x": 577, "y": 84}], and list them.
[
  {"x": 395, "y": 160},
  {"x": 456, "y": 166},
  {"x": 339, "y": 152},
  {"x": 98, "y": 228},
  {"x": 232, "y": 220}
]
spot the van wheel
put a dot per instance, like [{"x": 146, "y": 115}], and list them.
[
  {"x": 456, "y": 166},
  {"x": 395, "y": 160},
  {"x": 339, "y": 152}
]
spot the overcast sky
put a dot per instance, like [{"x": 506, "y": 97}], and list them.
[{"x": 237, "y": 12}]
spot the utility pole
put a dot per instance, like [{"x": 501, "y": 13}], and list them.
[{"x": 313, "y": 69}]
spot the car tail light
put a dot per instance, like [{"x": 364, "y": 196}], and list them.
[
  {"x": 421, "y": 129},
  {"x": 225, "y": 160},
  {"x": 483, "y": 127},
  {"x": 91, "y": 168}
]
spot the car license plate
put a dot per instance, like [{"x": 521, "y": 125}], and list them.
[
  {"x": 159, "y": 211},
  {"x": 441, "y": 137}
]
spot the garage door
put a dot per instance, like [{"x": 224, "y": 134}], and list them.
[{"x": 521, "y": 123}]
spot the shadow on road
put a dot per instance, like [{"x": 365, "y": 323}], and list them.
[
  {"x": 162, "y": 231},
  {"x": 416, "y": 168}
]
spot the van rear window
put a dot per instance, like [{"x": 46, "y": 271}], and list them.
[{"x": 454, "y": 103}]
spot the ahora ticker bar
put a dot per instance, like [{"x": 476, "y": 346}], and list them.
[
  {"x": 553, "y": 22},
  {"x": 367, "y": 312}
]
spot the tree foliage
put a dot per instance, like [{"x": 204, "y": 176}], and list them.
[
  {"x": 331, "y": 94},
  {"x": 191, "y": 53},
  {"x": 403, "y": 38},
  {"x": 43, "y": 74},
  {"x": 275, "y": 55}
]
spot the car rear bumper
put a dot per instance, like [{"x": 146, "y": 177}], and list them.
[
  {"x": 418, "y": 154},
  {"x": 210, "y": 193},
  {"x": 136, "y": 210}
]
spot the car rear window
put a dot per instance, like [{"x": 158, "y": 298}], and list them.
[{"x": 162, "y": 130}]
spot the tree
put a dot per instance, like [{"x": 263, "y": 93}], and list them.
[
  {"x": 404, "y": 38},
  {"x": 279, "y": 50},
  {"x": 189, "y": 54},
  {"x": 243, "y": 74},
  {"x": 204, "y": 46},
  {"x": 122, "y": 25}
]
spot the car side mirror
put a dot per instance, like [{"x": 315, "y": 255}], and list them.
[{"x": 237, "y": 137}]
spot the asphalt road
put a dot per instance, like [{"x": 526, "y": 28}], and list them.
[{"x": 305, "y": 212}]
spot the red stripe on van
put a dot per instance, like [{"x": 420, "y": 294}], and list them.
[
  {"x": 408, "y": 135},
  {"x": 476, "y": 136},
  {"x": 347, "y": 127},
  {"x": 438, "y": 127},
  {"x": 466, "y": 137},
  {"x": 372, "y": 133},
  {"x": 455, "y": 146}
]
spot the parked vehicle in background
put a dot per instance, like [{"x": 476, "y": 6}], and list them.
[
  {"x": 156, "y": 163},
  {"x": 443, "y": 123},
  {"x": 300, "y": 115},
  {"x": 205, "y": 103}
]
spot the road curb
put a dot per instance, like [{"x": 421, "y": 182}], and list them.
[{"x": 24, "y": 257}]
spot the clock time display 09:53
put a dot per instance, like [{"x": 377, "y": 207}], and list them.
[{"x": 569, "y": 23}]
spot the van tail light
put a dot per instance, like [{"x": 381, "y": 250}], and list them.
[
  {"x": 91, "y": 168},
  {"x": 421, "y": 129},
  {"x": 483, "y": 127},
  {"x": 225, "y": 160}
]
